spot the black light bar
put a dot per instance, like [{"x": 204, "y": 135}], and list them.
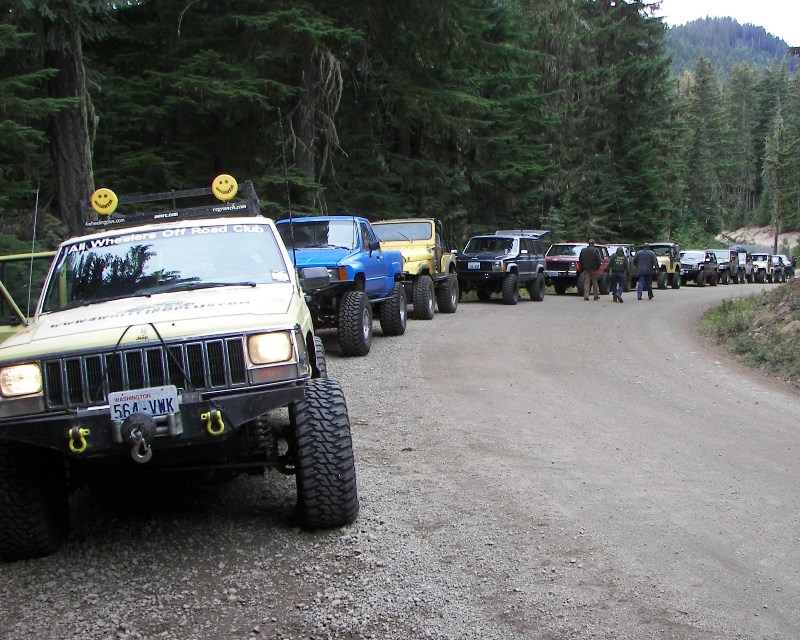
[{"x": 245, "y": 203}]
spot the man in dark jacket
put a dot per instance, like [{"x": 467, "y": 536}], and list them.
[
  {"x": 620, "y": 273},
  {"x": 647, "y": 263},
  {"x": 590, "y": 260}
]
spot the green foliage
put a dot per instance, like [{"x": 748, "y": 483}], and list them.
[
  {"x": 725, "y": 43},
  {"x": 551, "y": 114},
  {"x": 762, "y": 330}
]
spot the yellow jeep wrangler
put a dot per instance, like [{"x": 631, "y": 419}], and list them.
[
  {"x": 669, "y": 264},
  {"x": 429, "y": 269}
]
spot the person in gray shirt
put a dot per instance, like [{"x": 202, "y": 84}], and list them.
[{"x": 647, "y": 263}]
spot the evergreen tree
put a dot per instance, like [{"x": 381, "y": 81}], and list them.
[
  {"x": 24, "y": 110},
  {"x": 707, "y": 150},
  {"x": 740, "y": 111}
]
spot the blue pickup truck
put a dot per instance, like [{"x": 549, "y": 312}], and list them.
[{"x": 360, "y": 277}]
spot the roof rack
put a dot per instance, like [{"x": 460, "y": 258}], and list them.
[
  {"x": 204, "y": 205},
  {"x": 533, "y": 233}
]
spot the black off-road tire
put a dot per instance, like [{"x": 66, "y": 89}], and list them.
[
  {"x": 537, "y": 287},
  {"x": 701, "y": 279},
  {"x": 661, "y": 280},
  {"x": 761, "y": 276},
  {"x": 325, "y": 473},
  {"x": 423, "y": 298},
  {"x": 510, "y": 288},
  {"x": 448, "y": 294},
  {"x": 582, "y": 284},
  {"x": 724, "y": 277},
  {"x": 626, "y": 285},
  {"x": 560, "y": 288},
  {"x": 394, "y": 312},
  {"x": 714, "y": 280},
  {"x": 320, "y": 364},
  {"x": 355, "y": 324},
  {"x": 34, "y": 512},
  {"x": 675, "y": 280}
]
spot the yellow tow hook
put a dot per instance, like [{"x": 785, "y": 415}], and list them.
[
  {"x": 213, "y": 416},
  {"x": 79, "y": 434}
]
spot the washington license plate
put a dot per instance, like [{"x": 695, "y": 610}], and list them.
[{"x": 154, "y": 401}]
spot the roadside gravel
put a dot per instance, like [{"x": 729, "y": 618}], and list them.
[{"x": 507, "y": 491}]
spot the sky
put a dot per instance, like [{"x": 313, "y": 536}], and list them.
[{"x": 779, "y": 17}]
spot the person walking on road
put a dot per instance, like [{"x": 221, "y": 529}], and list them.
[
  {"x": 647, "y": 264},
  {"x": 620, "y": 273},
  {"x": 590, "y": 260}
]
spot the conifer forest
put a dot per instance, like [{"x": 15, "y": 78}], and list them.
[{"x": 538, "y": 114}]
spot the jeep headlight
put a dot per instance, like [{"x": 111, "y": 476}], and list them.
[
  {"x": 498, "y": 265},
  {"x": 20, "y": 380},
  {"x": 270, "y": 348}
]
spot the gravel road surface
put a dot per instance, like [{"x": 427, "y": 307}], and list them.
[{"x": 554, "y": 470}]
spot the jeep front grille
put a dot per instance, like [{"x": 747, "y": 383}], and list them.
[{"x": 203, "y": 365}]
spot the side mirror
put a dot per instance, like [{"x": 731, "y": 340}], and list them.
[{"x": 374, "y": 245}]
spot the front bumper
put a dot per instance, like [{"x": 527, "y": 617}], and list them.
[{"x": 201, "y": 419}]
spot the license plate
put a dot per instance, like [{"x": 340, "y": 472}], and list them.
[
  {"x": 154, "y": 401},
  {"x": 474, "y": 265},
  {"x": 554, "y": 274}
]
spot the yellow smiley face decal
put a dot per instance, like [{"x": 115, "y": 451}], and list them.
[
  {"x": 104, "y": 201},
  {"x": 224, "y": 187}
]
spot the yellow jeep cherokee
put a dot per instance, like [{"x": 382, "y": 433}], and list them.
[{"x": 167, "y": 340}]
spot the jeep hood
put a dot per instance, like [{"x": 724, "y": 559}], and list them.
[
  {"x": 484, "y": 255},
  {"x": 187, "y": 313}
]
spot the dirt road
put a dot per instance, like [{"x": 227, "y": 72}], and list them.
[{"x": 554, "y": 470}]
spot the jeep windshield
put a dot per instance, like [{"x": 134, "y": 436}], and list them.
[
  {"x": 693, "y": 256},
  {"x": 660, "y": 251},
  {"x": 144, "y": 263},
  {"x": 489, "y": 244},
  {"x": 320, "y": 234},
  {"x": 391, "y": 231}
]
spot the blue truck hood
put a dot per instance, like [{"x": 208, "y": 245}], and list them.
[{"x": 318, "y": 257}]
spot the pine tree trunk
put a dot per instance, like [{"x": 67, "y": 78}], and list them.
[
  {"x": 71, "y": 146},
  {"x": 304, "y": 124}
]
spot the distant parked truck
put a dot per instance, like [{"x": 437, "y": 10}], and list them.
[
  {"x": 564, "y": 269},
  {"x": 728, "y": 264},
  {"x": 669, "y": 264},
  {"x": 763, "y": 269},
  {"x": 361, "y": 276},
  {"x": 745, "y": 267}
]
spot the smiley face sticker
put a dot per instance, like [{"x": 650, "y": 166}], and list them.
[
  {"x": 104, "y": 201},
  {"x": 224, "y": 187}
]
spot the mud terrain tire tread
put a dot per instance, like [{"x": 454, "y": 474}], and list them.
[
  {"x": 537, "y": 287},
  {"x": 448, "y": 295},
  {"x": 355, "y": 338},
  {"x": 510, "y": 288},
  {"x": 661, "y": 280},
  {"x": 581, "y": 283},
  {"x": 34, "y": 516},
  {"x": 320, "y": 368},
  {"x": 394, "y": 312},
  {"x": 325, "y": 473},
  {"x": 423, "y": 297}
]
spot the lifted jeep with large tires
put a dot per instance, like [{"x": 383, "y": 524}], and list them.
[
  {"x": 171, "y": 340},
  {"x": 429, "y": 268}
]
